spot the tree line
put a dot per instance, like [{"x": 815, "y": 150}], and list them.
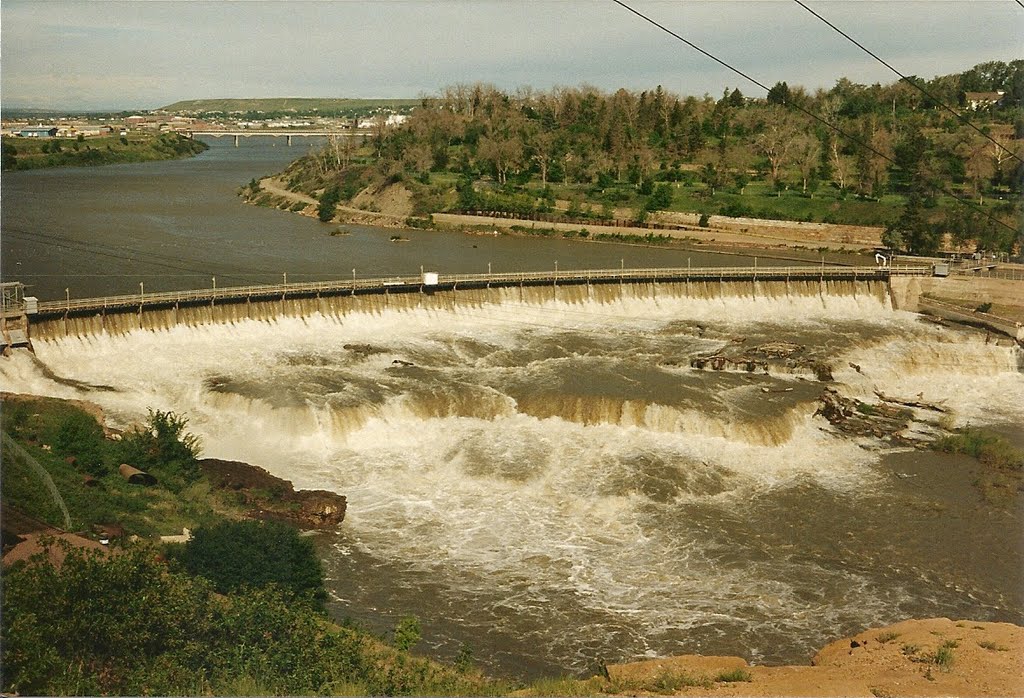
[{"x": 518, "y": 149}]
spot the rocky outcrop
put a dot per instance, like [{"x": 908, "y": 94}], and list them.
[
  {"x": 934, "y": 657},
  {"x": 271, "y": 497},
  {"x": 770, "y": 358}
]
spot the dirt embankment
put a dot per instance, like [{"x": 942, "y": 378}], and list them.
[
  {"x": 391, "y": 205},
  {"x": 388, "y": 207},
  {"x": 935, "y": 657}
]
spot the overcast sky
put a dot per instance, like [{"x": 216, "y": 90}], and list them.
[{"x": 139, "y": 54}]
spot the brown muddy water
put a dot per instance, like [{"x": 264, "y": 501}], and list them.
[{"x": 548, "y": 481}]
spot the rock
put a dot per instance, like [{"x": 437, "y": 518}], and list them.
[
  {"x": 364, "y": 349},
  {"x": 400, "y": 362},
  {"x": 275, "y": 498},
  {"x": 320, "y": 507}
]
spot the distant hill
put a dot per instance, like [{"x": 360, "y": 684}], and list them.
[{"x": 297, "y": 105}]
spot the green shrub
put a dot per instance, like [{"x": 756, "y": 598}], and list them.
[
  {"x": 164, "y": 448},
  {"x": 943, "y": 656},
  {"x": 328, "y": 204},
  {"x": 989, "y": 448},
  {"x": 127, "y": 625},
  {"x": 734, "y": 676},
  {"x": 407, "y": 633},
  {"x": 236, "y": 554},
  {"x": 80, "y": 436}
]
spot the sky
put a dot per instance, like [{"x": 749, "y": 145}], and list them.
[{"x": 144, "y": 54}]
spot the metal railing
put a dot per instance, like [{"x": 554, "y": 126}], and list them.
[{"x": 385, "y": 284}]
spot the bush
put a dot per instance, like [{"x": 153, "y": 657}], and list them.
[
  {"x": 236, "y": 554},
  {"x": 126, "y": 625},
  {"x": 164, "y": 448},
  {"x": 989, "y": 448},
  {"x": 328, "y": 204},
  {"x": 734, "y": 676},
  {"x": 80, "y": 436}
]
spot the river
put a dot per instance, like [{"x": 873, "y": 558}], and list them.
[
  {"x": 543, "y": 478},
  {"x": 178, "y": 224}
]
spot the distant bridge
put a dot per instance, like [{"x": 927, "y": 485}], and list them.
[{"x": 287, "y": 133}]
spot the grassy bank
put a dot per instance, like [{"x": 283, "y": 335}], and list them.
[
  {"x": 35, "y": 153},
  {"x": 236, "y": 610},
  {"x": 1002, "y": 477}
]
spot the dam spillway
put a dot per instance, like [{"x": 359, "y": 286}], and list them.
[
  {"x": 120, "y": 314},
  {"x": 540, "y": 472}
]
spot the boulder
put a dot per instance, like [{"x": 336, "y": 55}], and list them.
[{"x": 271, "y": 497}]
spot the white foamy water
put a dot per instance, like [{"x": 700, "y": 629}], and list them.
[{"x": 558, "y": 464}]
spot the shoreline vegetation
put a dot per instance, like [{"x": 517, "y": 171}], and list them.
[
  {"x": 37, "y": 153},
  {"x": 233, "y": 606},
  {"x": 632, "y": 164}
]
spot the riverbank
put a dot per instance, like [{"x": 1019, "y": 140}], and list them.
[
  {"x": 38, "y": 153},
  {"x": 933, "y": 657},
  {"x": 780, "y": 239}
]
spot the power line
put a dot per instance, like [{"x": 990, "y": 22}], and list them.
[
  {"x": 910, "y": 82},
  {"x": 1020, "y": 2},
  {"x": 825, "y": 122}
]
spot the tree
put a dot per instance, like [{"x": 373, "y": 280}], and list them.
[
  {"x": 661, "y": 198},
  {"x": 807, "y": 152},
  {"x": 911, "y": 232},
  {"x": 776, "y": 142},
  {"x": 779, "y": 94},
  {"x": 80, "y": 436},
  {"x": 236, "y": 554},
  {"x": 328, "y": 206}
]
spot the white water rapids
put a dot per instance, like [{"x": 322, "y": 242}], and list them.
[{"x": 555, "y": 473}]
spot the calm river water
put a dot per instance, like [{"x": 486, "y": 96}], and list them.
[
  {"x": 175, "y": 225},
  {"x": 542, "y": 476}
]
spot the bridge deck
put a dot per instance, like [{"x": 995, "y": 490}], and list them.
[{"x": 456, "y": 281}]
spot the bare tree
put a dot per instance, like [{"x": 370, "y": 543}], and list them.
[
  {"x": 776, "y": 142},
  {"x": 807, "y": 153}
]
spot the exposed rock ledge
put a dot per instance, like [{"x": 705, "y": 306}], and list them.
[
  {"x": 271, "y": 497},
  {"x": 906, "y": 659}
]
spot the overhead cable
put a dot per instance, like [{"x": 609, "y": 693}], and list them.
[
  {"x": 910, "y": 82},
  {"x": 819, "y": 119}
]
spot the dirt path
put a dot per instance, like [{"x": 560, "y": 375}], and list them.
[
  {"x": 274, "y": 186},
  {"x": 718, "y": 236}
]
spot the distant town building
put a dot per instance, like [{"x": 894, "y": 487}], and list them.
[
  {"x": 38, "y": 132},
  {"x": 980, "y": 100}
]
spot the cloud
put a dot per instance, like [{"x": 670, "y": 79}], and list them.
[{"x": 145, "y": 54}]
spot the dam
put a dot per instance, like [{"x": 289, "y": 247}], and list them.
[
  {"x": 552, "y": 471},
  {"x": 119, "y": 314}
]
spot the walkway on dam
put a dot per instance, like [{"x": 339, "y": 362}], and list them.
[{"x": 430, "y": 281}]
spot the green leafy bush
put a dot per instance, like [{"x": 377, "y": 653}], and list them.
[
  {"x": 235, "y": 554},
  {"x": 79, "y": 435},
  {"x": 164, "y": 448},
  {"x": 328, "y": 206},
  {"x": 129, "y": 625},
  {"x": 987, "y": 447}
]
